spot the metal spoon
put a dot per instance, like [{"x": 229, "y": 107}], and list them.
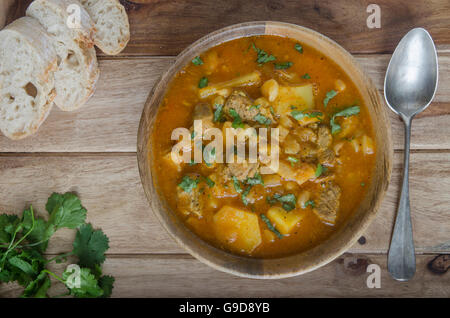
[{"x": 409, "y": 87}]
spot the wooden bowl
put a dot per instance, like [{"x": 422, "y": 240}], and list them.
[{"x": 340, "y": 241}]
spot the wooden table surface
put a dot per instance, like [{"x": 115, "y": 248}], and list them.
[{"x": 93, "y": 152}]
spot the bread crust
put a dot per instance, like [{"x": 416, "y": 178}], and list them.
[
  {"x": 30, "y": 31},
  {"x": 80, "y": 44}
]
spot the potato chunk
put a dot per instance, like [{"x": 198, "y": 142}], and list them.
[
  {"x": 299, "y": 96},
  {"x": 237, "y": 229},
  {"x": 284, "y": 221}
]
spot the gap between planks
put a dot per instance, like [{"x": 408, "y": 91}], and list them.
[{"x": 132, "y": 154}]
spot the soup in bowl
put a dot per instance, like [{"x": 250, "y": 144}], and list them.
[{"x": 264, "y": 150}]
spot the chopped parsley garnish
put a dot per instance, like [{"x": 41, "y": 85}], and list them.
[
  {"x": 197, "y": 61},
  {"x": 292, "y": 160},
  {"x": 254, "y": 106},
  {"x": 237, "y": 121},
  {"x": 329, "y": 95},
  {"x": 262, "y": 56},
  {"x": 288, "y": 201},
  {"x": 350, "y": 111},
  {"x": 192, "y": 163},
  {"x": 237, "y": 185},
  {"x": 209, "y": 182},
  {"x": 299, "y": 115},
  {"x": 203, "y": 82},
  {"x": 362, "y": 184},
  {"x": 310, "y": 203},
  {"x": 257, "y": 179},
  {"x": 283, "y": 66},
  {"x": 270, "y": 226},
  {"x": 218, "y": 113},
  {"x": 298, "y": 48},
  {"x": 263, "y": 120},
  {"x": 306, "y": 76},
  {"x": 193, "y": 134},
  {"x": 319, "y": 170},
  {"x": 187, "y": 184},
  {"x": 245, "y": 193},
  {"x": 272, "y": 111}
]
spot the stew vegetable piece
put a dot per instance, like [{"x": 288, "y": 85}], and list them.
[{"x": 327, "y": 148}]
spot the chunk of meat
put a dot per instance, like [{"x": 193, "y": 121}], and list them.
[
  {"x": 328, "y": 203},
  {"x": 190, "y": 202},
  {"x": 308, "y": 153},
  {"x": 245, "y": 108},
  {"x": 241, "y": 171},
  {"x": 324, "y": 140}
]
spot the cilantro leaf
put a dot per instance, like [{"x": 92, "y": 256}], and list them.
[
  {"x": 288, "y": 201},
  {"x": 310, "y": 203},
  {"x": 283, "y": 66},
  {"x": 299, "y": 48},
  {"x": 88, "y": 284},
  {"x": 262, "y": 56},
  {"x": 40, "y": 233},
  {"x": 209, "y": 182},
  {"x": 237, "y": 185},
  {"x": 197, "y": 61},
  {"x": 292, "y": 160},
  {"x": 319, "y": 170},
  {"x": 299, "y": 115},
  {"x": 7, "y": 220},
  {"x": 237, "y": 121},
  {"x": 218, "y": 113},
  {"x": 38, "y": 288},
  {"x": 65, "y": 211},
  {"x": 263, "y": 120},
  {"x": 257, "y": 179},
  {"x": 90, "y": 246},
  {"x": 188, "y": 184},
  {"x": 350, "y": 111},
  {"x": 106, "y": 283},
  {"x": 203, "y": 82},
  {"x": 329, "y": 95},
  {"x": 245, "y": 193},
  {"x": 306, "y": 76},
  {"x": 270, "y": 226}
]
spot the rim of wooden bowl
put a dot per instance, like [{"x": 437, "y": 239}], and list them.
[{"x": 337, "y": 243}]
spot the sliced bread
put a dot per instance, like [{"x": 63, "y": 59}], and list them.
[
  {"x": 111, "y": 24},
  {"x": 77, "y": 71},
  {"x": 27, "y": 64}
]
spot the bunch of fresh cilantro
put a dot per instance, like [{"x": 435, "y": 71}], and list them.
[{"x": 23, "y": 241}]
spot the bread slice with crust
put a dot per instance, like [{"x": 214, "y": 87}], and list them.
[
  {"x": 72, "y": 31},
  {"x": 27, "y": 64},
  {"x": 111, "y": 24}
]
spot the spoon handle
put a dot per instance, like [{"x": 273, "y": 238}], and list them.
[{"x": 401, "y": 258}]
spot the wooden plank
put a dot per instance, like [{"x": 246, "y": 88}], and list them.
[
  {"x": 109, "y": 122},
  {"x": 167, "y": 27},
  {"x": 182, "y": 276},
  {"x": 109, "y": 187}
]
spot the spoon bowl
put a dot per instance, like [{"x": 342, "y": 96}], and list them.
[
  {"x": 412, "y": 75},
  {"x": 409, "y": 87}
]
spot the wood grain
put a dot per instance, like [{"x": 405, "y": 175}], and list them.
[
  {"x": 109, "y": 187},
  {"x": 125, "y": 84},
  {"x": 165, "y": 27},
  {"x": 183, "y": 276}
]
